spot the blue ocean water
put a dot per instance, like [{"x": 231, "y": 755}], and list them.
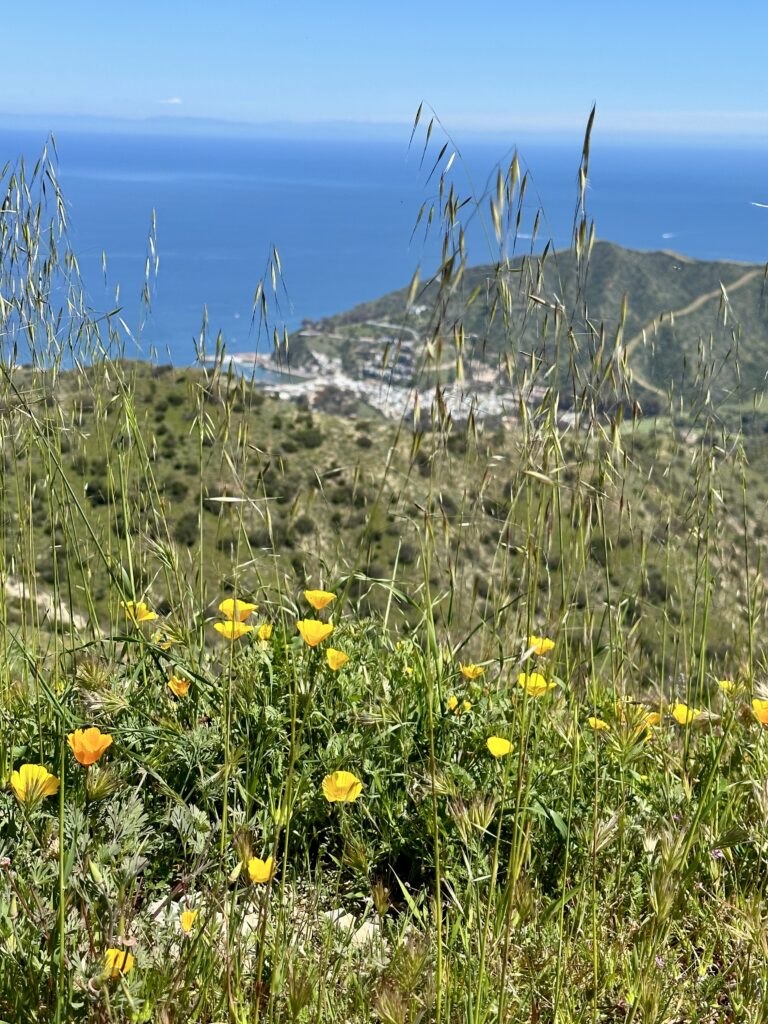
[{"x": 342, "y": 215}]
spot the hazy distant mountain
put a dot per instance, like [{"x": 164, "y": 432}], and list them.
[{"x": 187, "y": 125}]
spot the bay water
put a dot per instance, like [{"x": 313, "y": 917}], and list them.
[{"x": 342, "y": 216}]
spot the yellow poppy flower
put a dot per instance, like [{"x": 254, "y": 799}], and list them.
[
  {"x": 32, "y": 782},
  {"x": 760, "y": 710},
  {"x": 236, "y": 610},
  {"x": 342, "y": 786},
  {"x": 314, "y": 632},
  {"x": 265, "y": 631},
  {"x": 726, "y": 685},
  {"x": 163, "y": 640},
  {"x": 534, "y": 683},
  {"x": 540, "y": 645},
  {"x": 646, "y": 723},
  {"x": 336, "y": 659},
  {"x": 178, "y": 686},
  {"x": 498, "y": 746},
  {"x": 458, "y": 709},
  {"x": 684, "y": 715},
  {"x": 232, "y": 629},
  {"x": 597, "y": 724},
  {"x": 471, "y": 671},
  {"x": 138, "y": 611},
  {"x": 118, "y": 961},
  {"x": 88, "y": 744},
  {"x": 187, "y": 920},
  {"x": 261, "y": 871},
  {"x": 319, "y": 598}
]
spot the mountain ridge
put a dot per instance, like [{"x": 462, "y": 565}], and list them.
[{"x": 508, "y": 308}]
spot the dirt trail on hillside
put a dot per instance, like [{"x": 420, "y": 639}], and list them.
[{"x": 697, "y": 303}]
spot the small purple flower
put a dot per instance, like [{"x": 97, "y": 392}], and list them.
[
  {"x": 717, "y": 854},
  {"x": 660, "y": 961}
]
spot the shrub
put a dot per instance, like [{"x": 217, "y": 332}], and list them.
[
  {"x": 304, "y": 525},
  {"x": 177, "y": 489},
  {"x": 185, "y": 530},
  {"x": 309, "y": 438}
]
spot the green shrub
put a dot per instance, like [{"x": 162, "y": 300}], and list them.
[
  {"x": 303, "y": 525},
  {"x": 185, "y": 531},
  {"x": 308, "y": 438}
]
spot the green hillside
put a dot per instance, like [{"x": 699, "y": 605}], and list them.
[
  {"x": 200, "y": 480},
  {"x": 685, "y": 321}
]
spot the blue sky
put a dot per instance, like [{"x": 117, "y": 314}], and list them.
[{"x": 654, "y": 69}]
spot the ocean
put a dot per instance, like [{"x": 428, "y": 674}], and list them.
[{"x": 342, "y": 217}]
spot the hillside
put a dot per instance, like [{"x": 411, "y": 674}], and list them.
[
  {"x": 531, "y": 684},
  {"x": 687, "y": 323},
  {"x": 205, "y": 481}
]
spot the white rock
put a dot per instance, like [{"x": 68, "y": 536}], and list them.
[{"x": 367, "y": 933}]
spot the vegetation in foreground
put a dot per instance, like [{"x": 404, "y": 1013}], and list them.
[{"x": 523, "y": 779}]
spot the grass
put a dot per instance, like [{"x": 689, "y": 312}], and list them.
[{"x": 586, "y": 875}]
